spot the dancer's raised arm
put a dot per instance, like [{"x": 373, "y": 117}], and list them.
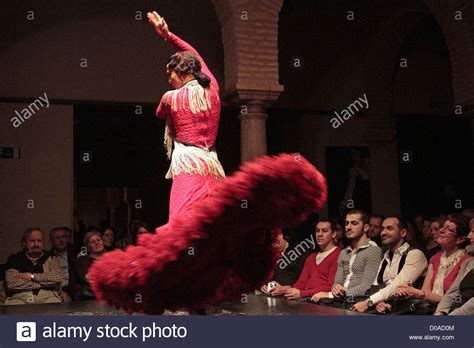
[{"x": 162, "y": 29}]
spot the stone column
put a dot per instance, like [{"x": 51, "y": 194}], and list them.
[
  {"x": 253, "y": 132},
  {"x": 253, "y": 115},
  {"x": 250, "y": 42}
]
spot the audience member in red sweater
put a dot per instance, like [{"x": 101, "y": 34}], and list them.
[{"x": 320, "y": 267}]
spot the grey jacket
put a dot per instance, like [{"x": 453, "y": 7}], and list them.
[
  {"x": 452, "y": 295},
  {"x": 364, "y": 268}
]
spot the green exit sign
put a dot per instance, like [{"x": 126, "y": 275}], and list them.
[{"x": 9, "y": 152}]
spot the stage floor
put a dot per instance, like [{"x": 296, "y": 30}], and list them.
[{"x": 251, "y": 304}]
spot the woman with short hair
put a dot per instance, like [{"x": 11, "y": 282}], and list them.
[{"x": 95, "y": 247}]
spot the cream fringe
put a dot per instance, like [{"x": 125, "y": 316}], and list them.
[
  {"x": 194, "y": 160},
  {"x": 198, "y": 98},
  {"x": 195, "y": 99}
]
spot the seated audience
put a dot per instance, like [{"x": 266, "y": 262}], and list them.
[
  {"x": 419, "y": 222},
  {"x": 95, "y": 246},
  {"x": 108, "y": 237},
  {"x": 320, "y": 267},
  {"x": 470, "y": 247},
  {"x": 32, "y": 275},
  {"x": 414, "y": 237},
  {"x": 84, "y": 250},
  {"x": 442, "y": 270},
  {"x": 288, "y": 268},
  {"x": 357, "y": 264},
  {"x": 63, "y": 252},
  {"x": 426, "y": 229},
  {"x": 459, "y": 299},
  {"x": 401, "y": 264},
  {"x": 430, "y": 238},
  {"x": 375, "y": 228},
  {"x": 340, "y": 239},
  {"x": 139, "y": 228}
]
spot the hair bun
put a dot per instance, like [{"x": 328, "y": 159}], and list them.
[{"x": 202, "y": 78}]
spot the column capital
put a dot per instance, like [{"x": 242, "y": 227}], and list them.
[{"x": 254, "y": 94}]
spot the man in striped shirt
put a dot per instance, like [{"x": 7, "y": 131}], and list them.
[
  {"x": 357, "y": 264},
  {"x": 32, "y": 275}
]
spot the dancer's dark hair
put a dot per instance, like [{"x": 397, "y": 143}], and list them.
[{"x": 186, "y": 63}]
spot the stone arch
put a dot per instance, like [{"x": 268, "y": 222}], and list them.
[
  {"x": 459, "y": 37},
  {"x": 250, "y": 34},
  {"x": 383, "y": 51},
  {"x": 250, "y": 41}
]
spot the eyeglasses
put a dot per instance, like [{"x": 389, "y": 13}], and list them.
[{"x": 446, "y": 230}]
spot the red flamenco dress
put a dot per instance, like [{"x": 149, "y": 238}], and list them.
[{"x": 231, "y": 224}]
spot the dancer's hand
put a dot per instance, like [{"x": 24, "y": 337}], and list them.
[{"x": 159, "y": 23}]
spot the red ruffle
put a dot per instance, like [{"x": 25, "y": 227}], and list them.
[{"x": 221, "y": 249}]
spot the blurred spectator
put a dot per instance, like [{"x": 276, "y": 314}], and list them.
[
  {"x": 419, "y": 222},
  {"x": 95, "y": 246},
  {"x": 63, "y": 252},
  {"x": 442, "y": 270},
  {"x": 108, "y": 237},
  {"x": 32, "y": 275},
  {"x": 414, "y": 237},
  {"x": 288, "y": 267},
  {"x": 431, "y": 246},
  {"x": 470, "y": 247},
  {"x": 138, "y": 228},
  {"x": 426, "y": 229},
  {"x": 375, "y": 227},
  {"x": 340, "y": 239}
]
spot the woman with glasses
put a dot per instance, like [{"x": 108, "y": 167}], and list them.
[{"x": 442, "y": 271}]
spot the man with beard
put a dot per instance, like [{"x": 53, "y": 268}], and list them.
[
  {"x": 357, "y": 263},
  {"x": 400, "y": 265},
  {"x": 375, "y": 228}
]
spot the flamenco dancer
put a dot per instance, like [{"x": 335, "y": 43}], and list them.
[
  {"x": 231, "y": 224},
  {"x": 192, "y": 113}
]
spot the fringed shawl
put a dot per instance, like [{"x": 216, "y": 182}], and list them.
[{"x": 186, "y": 158}]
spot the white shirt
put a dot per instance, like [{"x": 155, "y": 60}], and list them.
[
  {"x": 321, "y": 256},
  {"x": 415, "y": 265},
  {"x": 61, "y": 259}
]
